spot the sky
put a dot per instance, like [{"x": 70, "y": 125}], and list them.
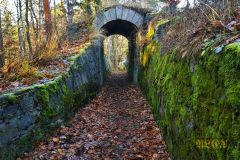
[
  {"x": 183, "y": 3},
  {"x": 12, "y": 7}
]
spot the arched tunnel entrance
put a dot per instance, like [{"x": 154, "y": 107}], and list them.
[
  {"x": 129, "y": 31},
  {"x": 122, "y": 21}
]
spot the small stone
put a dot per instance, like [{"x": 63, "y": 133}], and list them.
[
  {"x": 139, "y": 156},
  {"x": 219, "y": 49},
  {"x": 91, "y": 151},
  {"x": 63, "y": 137},
  {"x": 155, "y": 155},
  {"x": 56, "y": 140}
]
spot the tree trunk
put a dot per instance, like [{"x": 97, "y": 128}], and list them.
[
  {"x": 55, "y": 16},
  {"x": 19, "y": 26},
  {"x": 35, "y": 24},
  {"x": 172, "y": 6},
  {"x": 48, "y": 19},
  {"x": 41, "y": 36},
  {"x": 30, "y": 55},
  {"x": 1, "y": 43},
  {"x": 69, "y": 12}
]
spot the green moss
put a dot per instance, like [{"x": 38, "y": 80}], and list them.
[
  {"x": 198, "y": 104},
  {"x": 52, "y": 114},
  {"x": 43, "y": 96},
  {"x": 12, "y": 98},
  {"x": 162, "y": 22},
  {"x": 52, "y": 87},
  {"x": 68, "y": 100},
  {"x": 74, "y": 58}
]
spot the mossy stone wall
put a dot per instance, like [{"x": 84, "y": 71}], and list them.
[
  {"x": 195, "y": 100},
  {"x": 28, "y": 115}
]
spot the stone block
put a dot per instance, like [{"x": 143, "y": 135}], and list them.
[
  {"x": 139, "y": 23},
  {"x": 100, "y": 20},
  {"x": 25, "y": 122},
  {"x": 69, "y": 82},
  {"x": 9, "y": 131},
  {"x": 131, "y": 15},
  {"x": 84, "y": 78},
  {"x": 77, "y": 80},
  {"x": 138, "y": 20},
  {"x": 119, "y": 12},
  {"x": 125, "y": 13},
  {"x": 107, "y": 18},
  {"x": 27, "y": 101},
  {"x": 113, "y": 14},
  {"x": 10, "y": 111}
]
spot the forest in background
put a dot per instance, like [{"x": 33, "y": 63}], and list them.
[
  {"x": 116, "y": 52},
  {"x": 36, "y": 36},
  {"x": 32, "y": 30},
  {"x": 37, "y": 28}
]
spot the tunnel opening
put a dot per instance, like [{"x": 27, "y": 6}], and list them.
[
  {"x": 116, "y": 53},
  {"x": 129, "y": 31},
  {"x": 121, "y": 27}
]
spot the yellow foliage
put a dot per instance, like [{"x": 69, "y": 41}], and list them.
[
  {"x": 151, "y": 27},
  {"x": 151, "y": 49},
  {"x": 49, "y": 50},
  {"x": 146, "y": 57},
  {"x": 151, "y": 32},
  {"x": 27, "y": 71}
]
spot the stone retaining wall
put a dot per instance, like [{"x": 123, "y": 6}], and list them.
[
  {"x": 195, "y": 99},
  {"x": 27, "y": 115}
]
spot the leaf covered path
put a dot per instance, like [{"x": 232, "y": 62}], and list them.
[{"x": 117, "y": 124}]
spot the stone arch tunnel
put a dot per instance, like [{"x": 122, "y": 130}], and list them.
[
  {"x": 36, "y": 108},
  {"x": 123, "y": 21},
  {"x": 176, "y": 89}
]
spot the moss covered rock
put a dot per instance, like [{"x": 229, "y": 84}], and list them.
[{"x": 195, "y": 101}]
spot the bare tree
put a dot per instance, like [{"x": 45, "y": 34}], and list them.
[
  {"x": 41, "y": 21},
  {"x": 1, "y": 42},
  {"x": 27, "y": 31},
  {"x": 55, "y": 14},
  {"x": 21, "y": 27},
  {"x": 35, "y": 23},
  {"x": 69, "y": 11},
  {"x": 48, "y": 19}
]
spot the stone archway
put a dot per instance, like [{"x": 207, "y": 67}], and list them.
[{"x": 126, "y": 22}]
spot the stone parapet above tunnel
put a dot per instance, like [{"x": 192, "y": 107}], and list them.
[{"x": 119, "y": 13}]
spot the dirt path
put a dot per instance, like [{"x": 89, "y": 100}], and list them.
[{"x": 117, "y": 124}]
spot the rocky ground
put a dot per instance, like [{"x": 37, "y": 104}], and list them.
[{"x": 117, "y": 124}]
